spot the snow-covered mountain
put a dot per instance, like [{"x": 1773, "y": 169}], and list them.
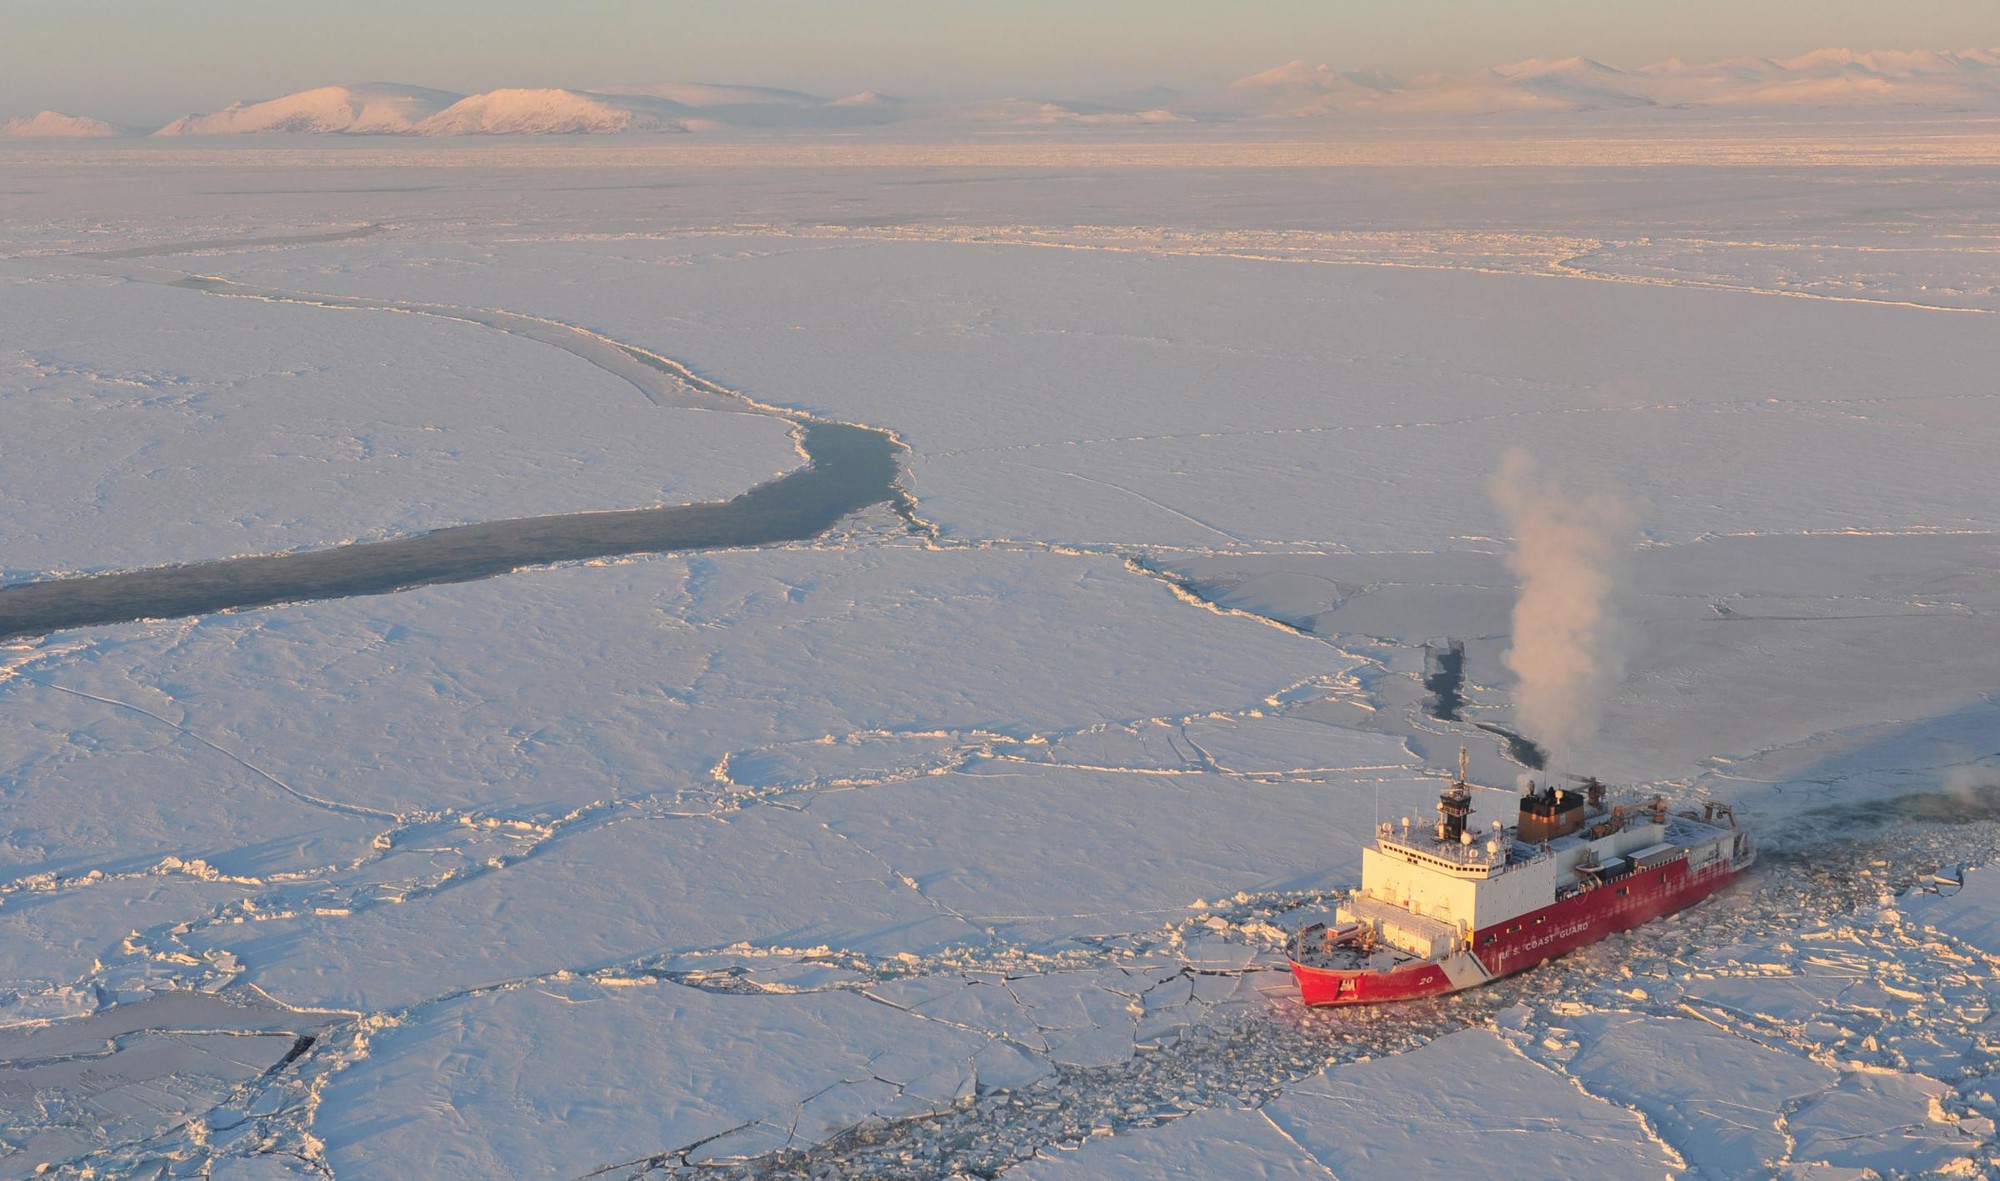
[
  {"x": 1826, "y": 78},
  {"x": 1044, "y": 113},
  {"x": 710, "y": 94},
  {"x": 1575, "y": 83},
  {"x": 383, "y": 109},
  {"x": 1835, "y": 77},
  {"x": 711, "y": 105},
  {"x": 869, "y": 98},
  {"x": 374, "y": 108},
  {"x": 1299, "y": 89},
  {"x": 56, "y": 125},
  {"x": 555, "y": 112}
]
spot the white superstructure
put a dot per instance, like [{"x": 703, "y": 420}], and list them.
[{"x": 1423, "y": 888}]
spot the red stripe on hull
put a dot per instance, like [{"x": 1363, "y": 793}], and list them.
[
  {"x": 1530, "y": 939},
  {"x": 1594, "y": 914}
]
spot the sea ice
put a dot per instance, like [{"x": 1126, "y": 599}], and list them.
[
  {"x": 164, "y": 426},
  {"x": 1970, "y": 913},
  {"x": 767, "y": 877},
  {"x": 1085, "y": 409},
  {"x": 1127, "y": 851},
  {"x": 1462, "y": 1099},
  {"x": 992, "y": 813},
  {"x": 561, "y": 1078},
  {"x": 1222, "y": 1142},
  {"x": 1723, "y": 1100}
]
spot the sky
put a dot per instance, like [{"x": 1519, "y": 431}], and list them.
[{"x": 144, "y": 61}]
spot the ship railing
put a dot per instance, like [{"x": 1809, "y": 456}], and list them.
[{"x": 1472, "y": 855}]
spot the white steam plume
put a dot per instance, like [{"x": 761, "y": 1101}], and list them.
[
  {"x": 1569, "y": 648},
  {"x": 1968, "y": 782}
]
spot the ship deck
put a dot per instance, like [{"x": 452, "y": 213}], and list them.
[{"x": 1310, "y": 948}]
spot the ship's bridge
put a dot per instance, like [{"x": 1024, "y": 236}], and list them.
[
  {"x": 1464, "y": 883},
  {"x": 1465, "y": 859}
]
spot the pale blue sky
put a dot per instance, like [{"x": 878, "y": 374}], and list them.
[{"x": 146, "y": 60}]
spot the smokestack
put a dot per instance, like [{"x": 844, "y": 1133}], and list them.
[{"x": 1570, "y": 546}]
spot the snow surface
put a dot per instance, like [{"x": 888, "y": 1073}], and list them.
[
  {"x": 1220, "y": 1142},
  {"x": 1804, "y": 625},
  {"x": 963, "y": 841},
  {"x": 1969, "y": 913},
  {"x": 706, "y": 1065},
  {"x": 240, "y": 426},
  {"x": 1464, "y": 1096},
  {"x": 1366, "y": 371}
]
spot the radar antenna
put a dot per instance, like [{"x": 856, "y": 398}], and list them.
[{"x": 1454, "y": 806}]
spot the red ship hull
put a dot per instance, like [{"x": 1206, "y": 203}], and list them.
[
  {"x": 1318, "y": 986},
  {"x": 1525, "y": 940}
]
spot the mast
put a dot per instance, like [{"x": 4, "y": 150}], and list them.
[{"x": 1454, "y": 806}]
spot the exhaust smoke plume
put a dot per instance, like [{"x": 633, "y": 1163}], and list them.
[{"x": 1570, "y": 549}]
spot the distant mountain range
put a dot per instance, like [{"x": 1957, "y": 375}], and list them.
[
  {"x": 382, "y": 108},
  {"x": 379, "y": 108},
  {"x": 56, "y": 125},
  {"x": 1827, "y": 79}
]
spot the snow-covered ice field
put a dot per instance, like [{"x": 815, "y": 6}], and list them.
[{"x": 962, "y": 839}]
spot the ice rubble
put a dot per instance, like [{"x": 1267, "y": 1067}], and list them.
[
  {"x": 69, "y": 943},
  {"x": 1742, "y": 1037},
  {"x": 1969, "y": 912},
  {"x": 137, "y": 1071}
]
